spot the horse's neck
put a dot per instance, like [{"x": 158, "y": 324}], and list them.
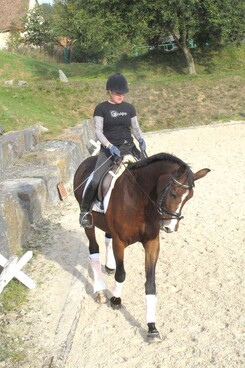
[{"x": 149, "y": 175}]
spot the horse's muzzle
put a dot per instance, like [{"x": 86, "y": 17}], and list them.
[{"x": 170, "y": 225}]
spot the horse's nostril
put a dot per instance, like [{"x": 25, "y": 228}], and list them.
[{"x": 167, "y": 229}]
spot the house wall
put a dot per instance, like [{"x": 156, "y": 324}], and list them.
[{"x": 4, "y": 37}]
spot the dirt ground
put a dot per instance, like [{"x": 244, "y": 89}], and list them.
[{"x": 200, "y": 276}]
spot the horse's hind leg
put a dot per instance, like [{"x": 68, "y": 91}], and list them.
[
  {"x": 99, "y": 285},
  {"x": 110, "y": 264}
]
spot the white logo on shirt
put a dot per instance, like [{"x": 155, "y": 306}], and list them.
[{"x": 115, "y": 114}]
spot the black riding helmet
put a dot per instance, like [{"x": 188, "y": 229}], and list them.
[{"x": 117, "y": 83}]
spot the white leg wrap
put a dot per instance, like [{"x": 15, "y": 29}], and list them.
[
  {"x": 117, "y": 290},
  {"x": 151, "y": 301},
  {"x": 109, "y": 257},
  {"x": 99, "y": 283}
]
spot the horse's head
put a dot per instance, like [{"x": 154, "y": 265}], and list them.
[{"x": 174, "y": 195}]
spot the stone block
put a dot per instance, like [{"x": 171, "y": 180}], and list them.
[
  {"x": 49, "y": 173},
  {"x": 51, "y": 177},
  {"x": 32, "y": 137},
  {"x": 81, "y": 134},
  {"x": 66, "y": 155},
  {"x": 63, "y": 78},
  {"x": 22, "y": 203},
  {"x": 12, "y": 147},
  {"x": 30, "y": 173}
]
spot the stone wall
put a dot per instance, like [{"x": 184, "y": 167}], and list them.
[{"x": 30, "y": 171}]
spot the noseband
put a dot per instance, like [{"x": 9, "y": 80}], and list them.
[{"x": 161, "y": 207}]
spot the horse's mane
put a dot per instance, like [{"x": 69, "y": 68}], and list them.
[{"x": 157, "y": 157}]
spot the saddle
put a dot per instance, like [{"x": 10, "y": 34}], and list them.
[{"x": 107, "y": 183}]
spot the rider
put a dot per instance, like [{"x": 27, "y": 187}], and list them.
[{"x": 113, "y": 121}]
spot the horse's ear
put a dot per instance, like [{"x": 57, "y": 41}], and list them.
[
  {"x": 181, "y": 171},
  {"x": 200, "y": 174}
]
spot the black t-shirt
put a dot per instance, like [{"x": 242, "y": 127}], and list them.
[{"x": 117, "y": 121}]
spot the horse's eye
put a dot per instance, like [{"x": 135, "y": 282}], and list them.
[{"x": 173, "y": 195}]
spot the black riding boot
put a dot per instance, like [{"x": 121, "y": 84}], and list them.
[{"x": 86, "y": 218}]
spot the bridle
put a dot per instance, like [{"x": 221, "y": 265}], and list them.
[{"x": 161, "y": 207}]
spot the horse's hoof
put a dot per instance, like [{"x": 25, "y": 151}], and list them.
[
  {"x": 154, "y": 337},
  {"x": 109, "y": 271},
  {"x": 101, "y": 297},
  {"x": 116, "y": 303},
  {"x": 153, "y": 334}
]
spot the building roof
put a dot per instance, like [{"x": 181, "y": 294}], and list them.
[{"x": 12, "y": 12}]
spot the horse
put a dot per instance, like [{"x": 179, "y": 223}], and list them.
[{"x": 147, "y": 197}]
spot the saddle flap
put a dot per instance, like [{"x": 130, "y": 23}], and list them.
[
  {"x": 113, "y": 173},
  {"x": 105, "y": 181}
]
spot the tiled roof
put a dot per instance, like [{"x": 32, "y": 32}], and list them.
[{"x": 11, "y": 12}]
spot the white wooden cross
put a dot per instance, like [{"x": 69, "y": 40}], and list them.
[{"x": 12, "y": 268}]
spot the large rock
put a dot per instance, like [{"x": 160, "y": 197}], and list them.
[
  {"x": 63, "y": 78},
  {"x": 80, "y": 134},
  {"x": 32, "y": 136},
  {"x": 14, "y": 145},
  {"x": 49, "y": 174},
  {"x": 66, "y": 155},
  {"x": 22, "y": 203},
  {"x": 30, "y": 173}
]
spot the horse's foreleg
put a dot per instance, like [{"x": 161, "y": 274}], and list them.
[
  {"x": 98, "y": 280},
  {"x": 120, "y": 275},
  {"x": 93, "y": 245},
  {"x": 95, "y": 264},
  {"x": 151, "y": 257},
  {"x": 110, "y": 264}
]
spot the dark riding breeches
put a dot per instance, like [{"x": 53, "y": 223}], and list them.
[{"x": 103, "y": 163}]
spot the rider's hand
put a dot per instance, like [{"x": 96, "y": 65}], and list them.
[
  {"x": 115, "y": 151},
  {"x": 142, "y": 144}
]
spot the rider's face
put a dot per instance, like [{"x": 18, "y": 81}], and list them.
[{"x": 117, "y": 97}]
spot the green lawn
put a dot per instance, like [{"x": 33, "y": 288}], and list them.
[{"x": 162, "y": 92}]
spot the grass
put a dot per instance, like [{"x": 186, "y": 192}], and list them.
[
  {"x": 162, "y": 92},
  {"x": 12, "y": 296},
  {"x": 9, "y": 352},
  {"x": 11, "y": 300}
]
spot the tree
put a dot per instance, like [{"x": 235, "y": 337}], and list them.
[
  {"x": 37, "y": 28},
  {"x": 103, "y": 29},
  {"x": 95, "y": 28},
  {"x": 142, "y": 20},
  {"x": 217, "y": 21},
  {"x": 220, "y": 22}
]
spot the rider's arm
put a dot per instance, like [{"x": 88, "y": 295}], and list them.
[
  {"x": 98, "y": 127},
  {"x": 136, "y": 128}
]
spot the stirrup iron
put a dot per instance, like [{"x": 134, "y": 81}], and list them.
[{"x": 86, "y": 219}]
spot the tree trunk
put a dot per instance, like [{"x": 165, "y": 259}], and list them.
[
  {"x": 189, "y": 60},
  {"x": 182, "y": 43}
]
